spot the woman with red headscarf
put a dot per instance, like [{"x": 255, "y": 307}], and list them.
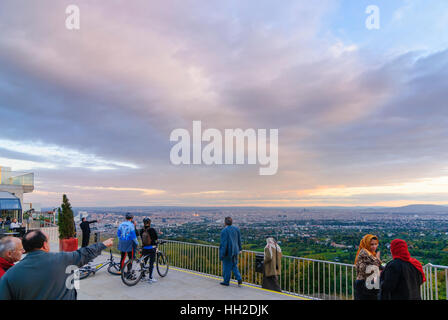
[
  {"x": 367, "y": 265},
  {"x": 403, "y": 276}
]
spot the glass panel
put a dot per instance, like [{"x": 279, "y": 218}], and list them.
[{"x": 17, "y": 178}]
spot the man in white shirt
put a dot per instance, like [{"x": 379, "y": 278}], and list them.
[{"x": 15, "y": 224}]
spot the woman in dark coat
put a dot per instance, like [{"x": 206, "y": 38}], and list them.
[{"x": 403, "y": 276}]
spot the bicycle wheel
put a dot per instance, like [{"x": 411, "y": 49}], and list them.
[
  {"x": 84, "y": 273},
  {"x": 114, "y": 268},
  {"x": 132, "y": 272},
  {"x": 162, "y": 264}
]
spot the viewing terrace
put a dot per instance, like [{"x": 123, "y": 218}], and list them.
[{"x": 195, "y": 273}]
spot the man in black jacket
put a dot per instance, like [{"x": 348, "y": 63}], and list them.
[
  {"x": 43, "y": 275},
  {"x": 149, "y": 244},
  {"x": 85, "y": 227}
]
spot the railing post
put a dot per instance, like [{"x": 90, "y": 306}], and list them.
[
  {"x": 353, "y": 289},
  {"x": 446, "y": 284},
  {"x": 318, "y": 279},
  {"x": 430, "y": 276},
  {"x": 437, "y": 287}
]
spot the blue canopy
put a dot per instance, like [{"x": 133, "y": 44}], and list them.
[{"x": 9, "y": 201}]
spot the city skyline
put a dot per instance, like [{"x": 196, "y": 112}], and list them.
[{"x": 361, "y": 114}]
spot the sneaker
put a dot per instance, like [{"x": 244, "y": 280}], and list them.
[
  {"x": 224, "y": 284},
  {"x": 240, "y": 282},
  {"x": 152, "y": 280}
]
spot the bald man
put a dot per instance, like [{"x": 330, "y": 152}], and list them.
[
  {"x": 42, "y": 274},
  {"x": 11, "y": 251}
]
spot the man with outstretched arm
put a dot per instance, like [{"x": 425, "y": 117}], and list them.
[
  {"x": 42, "y": 275},
  {"x": 85, "y": 227}
]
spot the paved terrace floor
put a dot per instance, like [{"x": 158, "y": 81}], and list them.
[{"x": 179, "y": 284}]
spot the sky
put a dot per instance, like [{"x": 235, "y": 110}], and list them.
[{"x": 362, "y": 114}]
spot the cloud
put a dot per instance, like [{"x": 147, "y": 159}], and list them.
[
  {"x": 146, "y": 192},
  {"x": 57, "y": 157},
  {"x": 24, "y": 165},
  {"x": 108, "y": 96},
  {"x": 209, "y": 193}
]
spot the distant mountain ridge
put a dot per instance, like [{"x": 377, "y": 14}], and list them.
[
  {"x": 409, "y": 209},
  {"x": 416, "y": 209}
]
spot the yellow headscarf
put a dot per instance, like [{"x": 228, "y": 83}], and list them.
[{"x": 365, "y": 244}]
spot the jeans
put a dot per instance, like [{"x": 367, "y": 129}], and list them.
[{"x": 230, "y": 264}]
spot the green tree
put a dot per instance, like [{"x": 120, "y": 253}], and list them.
[{"x": 66, "y": 221}]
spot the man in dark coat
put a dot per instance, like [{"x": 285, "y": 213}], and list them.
[
  {"x": 42, "y": 275},
  {"x": 229, "y": 248},
  {"x": 403, "y": 276},
  {"x": 85, "y": 227}
]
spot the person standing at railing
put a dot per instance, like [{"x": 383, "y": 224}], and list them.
[
  {"x": 272, "y": 265},
  {"x": 149, "y": 245},
  {"x": 229, "y": 248},
  {"x": 85, "y": 227},
  {"x": 368, "y": 266},
  {"x": 127, "y": 239},
  {"x": 403, "y": 276}
]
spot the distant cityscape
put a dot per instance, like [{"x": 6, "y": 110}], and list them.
[{"x": 327, "y": 233}]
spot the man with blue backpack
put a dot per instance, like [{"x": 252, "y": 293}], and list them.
[{"x": 127, "y": 239}]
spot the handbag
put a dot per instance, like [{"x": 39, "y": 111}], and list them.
[{"x": 259, "y": 263}]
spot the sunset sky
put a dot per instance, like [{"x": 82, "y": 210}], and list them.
[{"x": 362, "y": 114}]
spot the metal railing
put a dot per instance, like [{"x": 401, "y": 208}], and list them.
[
  {"x": 37, "y": 224},
  {"x": 316, "y": 279},
  {"x": 52, "y": 233},
  {"x": 51, "y": 229},
  {"x": 436, "y": 285}
]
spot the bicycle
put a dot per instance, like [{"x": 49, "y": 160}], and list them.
[
  {"x": 136, "y": 268},
  {"x": 113, "y": 268}
]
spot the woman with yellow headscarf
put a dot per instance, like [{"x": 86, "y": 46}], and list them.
[{"x": 367, "y": 265}]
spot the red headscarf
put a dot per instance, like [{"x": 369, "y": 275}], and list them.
[{"x": 399, "y": 249}]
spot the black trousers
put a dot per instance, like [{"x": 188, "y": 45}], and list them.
[
  {"x": 362, "y": 293},
  {"x": 123, "y": 257},
  {"x": 152, "y": 259},
  {"x": 85, "y": 239}
]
